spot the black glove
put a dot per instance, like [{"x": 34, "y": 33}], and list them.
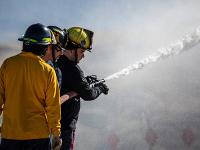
[
  {"x": 91, "y": 79},
  {"x": 104, "y": 89},
  {"x": 56, "y": 143}
]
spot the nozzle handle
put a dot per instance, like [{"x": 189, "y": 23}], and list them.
[{"x": 98, "y": 82}]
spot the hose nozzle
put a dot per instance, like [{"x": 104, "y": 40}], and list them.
[{"x": 98, "y": 82}]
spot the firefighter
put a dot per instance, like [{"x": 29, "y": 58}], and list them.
[
  {"x": 29, "y": 94},
  {"x": 52, "y": 57},
  {"x": 79, "y": 40}
]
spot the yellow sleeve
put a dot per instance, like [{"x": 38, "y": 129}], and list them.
[
  {"x": 53, "y": 106},
  {"x": 2, "y": 88}
]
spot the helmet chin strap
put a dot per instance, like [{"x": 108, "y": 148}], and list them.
[
  {"x": 44, "y": 52},
  {"x": 76, "y": 56},
  {"x": 54, "y": 55}
]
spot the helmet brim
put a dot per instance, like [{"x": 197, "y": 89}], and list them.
[
  {"x": 38, "y": 43},
  {"x": 21, "y": 39},
  {"x": 89, "y": 50}
]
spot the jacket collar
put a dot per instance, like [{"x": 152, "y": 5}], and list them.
[{"x": 30, "y": 54}]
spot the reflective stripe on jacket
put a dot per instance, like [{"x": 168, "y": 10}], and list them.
[{"x": 29, "y": 94}]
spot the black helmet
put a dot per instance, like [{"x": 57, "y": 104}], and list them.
[
  {"x": 59, "y": 35},
  {"x": 79, "y": 38},
  {"x": 38, "y": 34}
]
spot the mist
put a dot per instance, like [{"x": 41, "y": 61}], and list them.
[{"x": 154, "y": 108}]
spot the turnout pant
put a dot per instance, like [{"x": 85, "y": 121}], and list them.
[
  {"x": 68, "y": 137},
  {"x": 35, "y": 144}
]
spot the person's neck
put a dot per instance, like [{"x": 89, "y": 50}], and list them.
[
  {"x": 69, "y": 55},
  {"x": 45, "y": 58}
]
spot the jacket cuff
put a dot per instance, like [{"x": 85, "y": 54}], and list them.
[{"x": 55, "y": 132}]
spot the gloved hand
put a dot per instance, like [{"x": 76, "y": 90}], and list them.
[
  {"x": 56, "y": 143},
  {"x": 104, "y": 88}
]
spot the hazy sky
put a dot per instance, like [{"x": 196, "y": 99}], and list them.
[{"x": 163, "y": 96}]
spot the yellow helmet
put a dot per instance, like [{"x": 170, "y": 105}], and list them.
[{"x": 79, "y": 38}]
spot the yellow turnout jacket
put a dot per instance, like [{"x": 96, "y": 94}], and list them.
[{"x": 30, "y": 98}]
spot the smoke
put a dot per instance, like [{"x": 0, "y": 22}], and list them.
[
  {"x": 163, "y": 97},
  {"x": 182, "y": 45},
  {"x": 7, "y": 51}
]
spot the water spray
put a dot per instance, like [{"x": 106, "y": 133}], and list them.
[{"x": 184, "y": 44}]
